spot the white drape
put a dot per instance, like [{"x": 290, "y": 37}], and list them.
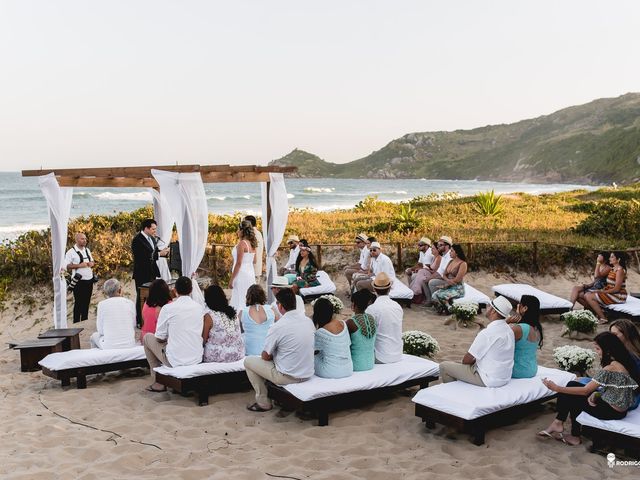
[
  {"x": 276, "y": 224},
  {"x": 59, "y": 205},
  {"x": 184, "y": 194},
  {"x": 164, "y": 220}
]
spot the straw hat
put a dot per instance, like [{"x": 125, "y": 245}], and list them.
[
  {"x": 425, "y": 240},
  {"x": 362, "y": 237},
  {"x": 446, "y": 240},
  {"x": 375, "y": 245},
  {"x": 502, "y": 306},
  {"x": 279, "y": 282},
  {"x": 382, "y": 281},
  {"x": 293, "y": 238}
]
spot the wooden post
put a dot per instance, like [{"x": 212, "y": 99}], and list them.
[
  {"x": 535, "y": 255},
  {"x": 399, "y": 251},
  {"x": 319, "y": 254},
  {"x": 214, "y": 263}
]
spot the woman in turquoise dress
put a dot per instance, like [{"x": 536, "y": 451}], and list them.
[
  {"x": 255, "y": 320},
  {"x": 332, "y": 343},
  {"x": 527, "y": 330},
  {"x": 306, "y": 268},
  {"x": 454, "y": 281},
  {"x": 362, "y": 328}
]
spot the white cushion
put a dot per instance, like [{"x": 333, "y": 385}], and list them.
[
  {"x": 201, "y": 369},
  {"x": 90, "y": 357},
  {"x": 473, "y": 295},
  {"x": 400, "y": 291},
  {"x": 514, "y": 291},
  {"x": 382, "y": 375},
  {"x": 470, "y": 401},
  {"x": 630, "y": 307},
  {"x": 629, "y": 425},
  {"x": 326, "y": 285}
]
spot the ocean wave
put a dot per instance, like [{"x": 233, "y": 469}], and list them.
[
  {"x": 318, "y": 190},
  {"x": 11, "y": 232},
  {"x": 290, "y": 195},
  {"x": 127, "y": 196},
  {"x": 213, "y": 197}
]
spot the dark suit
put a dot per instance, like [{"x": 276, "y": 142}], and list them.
[{"x": 145, "y": 268}]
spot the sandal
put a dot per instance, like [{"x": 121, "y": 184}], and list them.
[
  {"x": 257, "y": 408},
  {"x": 151, "y": 389},
  {"x": 602, "y": 321}
]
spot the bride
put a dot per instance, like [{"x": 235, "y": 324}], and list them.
[{"x": 243, "y": 272}]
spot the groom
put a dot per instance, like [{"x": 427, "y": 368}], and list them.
[{"x": 144, "y": 247}]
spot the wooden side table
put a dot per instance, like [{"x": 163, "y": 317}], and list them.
[
  {"x": 32, "y": 351},
  {"x": 70, "y": 336}
]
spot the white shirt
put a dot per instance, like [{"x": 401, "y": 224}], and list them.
[
  {"x": 293, "y": 256},
  {"x": 426, "y": 258},
  {"x": 72, "y": 257},
  {"x": 153, "y": 245},
  {"x": 388, "y": 316},
  {"x": 259, "y": 252},
  {"x": 299, "y": 306},
  {"x": 180, "y": 323},
  {"x": 365, "y": 256},
  {"x": 382, "y": 263},
  {"x": 291, "y": 341},
  {"x": 446, "y": 258},
  {"x": 493, "y": 350},
  {"x": 116, "y": 323}
]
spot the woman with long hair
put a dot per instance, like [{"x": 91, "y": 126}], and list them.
[
  {"x": 615, "y": 290},
  {"x": 243, "y": 274},
  {"x": 454, "y": 281},
  {"x": 608, "y": 396},
  {"x": 306, "y": 268},
  {"x": 159, "y": 296},
  {"x": 628, "y": 334},
  {"x": 255, "y": 319},
  {"x": 528, "y": 334},
  {"x": 332, "y": 342},
  {"x": 362, "y": 328},
  {"x": 600, "y": 275},
  {"x": 221, "y": 330}
]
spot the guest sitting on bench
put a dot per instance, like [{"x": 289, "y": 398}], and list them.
[
  {"x": 223, "y": 339},
  {"x": 489, "y": 361},
  {"x": 332, "y": 342},
  {"x": 527, "y": 331},
  {"x": 288, "y": 352},
  {"x": 116, "y": 319},
  {"x": 256, "y": 319},
  {"x": 362, "y": 328},
  {"x": 277, "y": 284},
  {"x": 179, "y": 334},
  {"x": 159, "y": 296},
  {"x": 388, "y": 316}
]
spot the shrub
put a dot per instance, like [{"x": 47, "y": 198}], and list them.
[
  {"x": 583, "y": 321},
  {"x": 419, "y": 343},
  {"x": 613, "y": 218},
  {"x": 573, "y": 358},
  {"x": 464, "y": 312},
  {"x": 488, "y": 204}
]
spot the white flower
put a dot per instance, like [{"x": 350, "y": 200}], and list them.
[
  {"x": 465, "y": 311},
  {"x": 574, "y": 358},
  {"x": 419, "y": 343},
  {"x": 335, "y": 301},
  {"x": 580, "y": 321}
]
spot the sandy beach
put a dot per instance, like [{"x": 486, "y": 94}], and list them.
[{"x": 115, "y": 429}]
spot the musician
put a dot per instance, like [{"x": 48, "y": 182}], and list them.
[{"x": 144, "y": 247}]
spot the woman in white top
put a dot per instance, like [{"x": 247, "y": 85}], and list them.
[{"x": 243, "y": 273}]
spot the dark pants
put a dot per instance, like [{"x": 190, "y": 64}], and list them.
[
  {"x": 81, "y": 299},
  {"x": 138, "y": 306},
  {"x": 574, "y": 404}
]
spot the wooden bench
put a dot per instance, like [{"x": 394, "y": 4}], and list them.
[
  {"x": 607, "y": 434},
  {"x": 206, "y": 385},
  {"x": 71, "y": 337},
  {"x": 80, "y": 373},
  {"x": 32, "y": 351}
]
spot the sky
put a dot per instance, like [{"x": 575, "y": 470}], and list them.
[{"x": 112, "y": 83}]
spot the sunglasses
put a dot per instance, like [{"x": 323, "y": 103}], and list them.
[{"x": 422, "y": 244}]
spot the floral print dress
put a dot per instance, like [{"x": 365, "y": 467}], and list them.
[{"x": 225, "y": 342}]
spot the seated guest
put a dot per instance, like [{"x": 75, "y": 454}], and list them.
[
  {"x": 616, "y": 385},
  {"x": 364, "y": 275},
  {"x": 255, "y": 320},
  {"x": 600, "y": 275},
  {"x": 178, "y": 337},
  {"x": 615, "y": 290},
  {"x": 527, "y": 332},
  {"x": 294, "y": 250},
  {"x": 425, "y": 257},
  {"x": 388, "y": 316},
  {"x": 159, "y": 296},
  {"x": 306, "y": 268},
  {"x": 277, "y": 284},
  {"x": 418, "y": 281},
  {"x": 444, "y": 291},
  {"x": 627, "y": 333},
  {"x": 489, "y": 361},
  {"x": 436, "y": 278},
  {"x": 116, "y": 319},
  {"x": 332, "y": 343},
  {"x": 362, "y": 327},
  {"x": 362, "y": 266},
  {"x": 380, "y": 263},
  {"x": 221, "y": 333},
  {"x": 288, "y": 352}
]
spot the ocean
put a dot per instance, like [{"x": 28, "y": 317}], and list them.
[{"x": 24, "y": 207}]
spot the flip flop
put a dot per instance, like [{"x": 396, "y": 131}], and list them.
[
  {"x": 151, "y": 389},
  {"x": 545, "y": 434},
  {"x": 602, "y": 321},
  {"x": 257, "y": 408}
]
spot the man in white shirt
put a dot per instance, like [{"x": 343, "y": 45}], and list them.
[
  {"x": 116, "y": 319},
  {"x": 379, "y": 263},
  {"x": 420, "y": 271},
  {"x": 361, "y": 267},
  {"x": 80, "y": 261},
  {"x": 436, "y": 279},
  {"x": 179, "y": 334},
  {"x": 388, "y": 315},
  {"x": 294, "y": 250},
  {"x": 288, "y": 352},
  {"x": 489, "y": 361},
  {"x": 277, "y": 284},
  {"x": 259, "y": 249}
]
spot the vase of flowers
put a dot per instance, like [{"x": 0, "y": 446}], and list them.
[
  {"x": 574, "y": 359},
  {"x": 335, "y": 302},
  {"x": 464, "y": 312},
  {"x": 419, "y": 343},
  {"x": 580, "y": 321}
]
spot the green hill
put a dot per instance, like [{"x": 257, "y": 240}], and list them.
[{"x": 598, "y": 142}]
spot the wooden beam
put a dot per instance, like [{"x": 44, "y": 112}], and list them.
[
  {"x": 225, "y": 177},
  {"x": 129, "y": 172},
  {"x": 107, "y": 182}
]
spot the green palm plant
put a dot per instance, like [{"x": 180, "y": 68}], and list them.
[{"x": 488, "y": 204}]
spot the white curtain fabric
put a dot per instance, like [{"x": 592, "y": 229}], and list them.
[
  {"x": 162, "y": 215},
  {"x": 184, "y": 194},
  {"x": 59, "y": 205},
  {"x": 274, "y": 231}
]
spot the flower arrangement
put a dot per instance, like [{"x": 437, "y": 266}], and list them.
[
  {"x": 419, "y": 343},
  {"x": 573, "y": 358},
  {"x": 583, "y": 321},
  {"x": 335, "y": 302},
  {"x": 464, "y": 312}
]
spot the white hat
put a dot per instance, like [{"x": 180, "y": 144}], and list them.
[
  {"x": 293, "y": 238},
  {"x": 375, "y": 245},
  {"x": 362, "y": 237},
  {"x": 446, "y": 240},
  {"x": 279, "y": 282},
  {"x": 502, "y": 306}
]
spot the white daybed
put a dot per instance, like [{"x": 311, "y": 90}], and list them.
[
  {"x": 623, "y": 433},
  {"x": 548, "y": 303},
  {"x": 326, "y": 287}
]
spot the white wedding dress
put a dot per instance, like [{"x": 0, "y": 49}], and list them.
[{"x": 244, "y": 279}]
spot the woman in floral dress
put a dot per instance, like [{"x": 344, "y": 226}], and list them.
[
  {"x": 454, "y": 278},
  {"x": 221, "y": 329}
]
